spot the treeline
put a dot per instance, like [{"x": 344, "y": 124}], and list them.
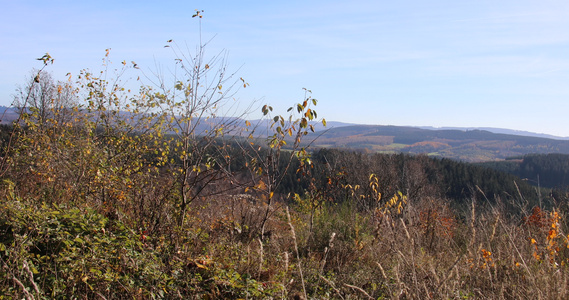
[
  {"x": 546, "y": 170},
  {"x": 413, "y": 175}
]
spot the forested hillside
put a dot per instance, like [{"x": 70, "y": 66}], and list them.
[
  {"x": 470, "y": 145},
  {"x": 548, "y": 170},
  {"x": 413, "y": 175}
]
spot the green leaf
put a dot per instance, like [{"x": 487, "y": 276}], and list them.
[{"x": 96, "y": 271}]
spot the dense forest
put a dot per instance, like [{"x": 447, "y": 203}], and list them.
[
  {"x": 548, "y": 170},
  {"x": 113, "y": 194}
]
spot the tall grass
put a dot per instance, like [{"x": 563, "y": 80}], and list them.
[{"x": 427, "y": 250}]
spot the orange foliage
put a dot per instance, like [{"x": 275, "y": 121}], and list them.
[
  {"x": 442, "y": 225},
  {"x": 538, "y": 218}
]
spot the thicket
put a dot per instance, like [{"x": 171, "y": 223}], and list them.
[{"x": 114, "y": 194}]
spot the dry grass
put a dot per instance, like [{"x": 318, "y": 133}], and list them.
[{"x": 427, "y": 251}]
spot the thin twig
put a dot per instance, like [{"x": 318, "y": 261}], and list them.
[
  {"x": 331, "y": 284},
  {"x": 297, "y": 253},
  {"x": 27, "y": 269},
  {"x": 26, "y": 293},
  {"x": 358, "y": 289},
  {"x": 449, "y": 273}
]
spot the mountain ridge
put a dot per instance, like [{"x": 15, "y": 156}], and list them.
[
  {"x": 472, "y": 144},
  {"x": 467, "y": 145},
  {"x": 9, "y": 116}
]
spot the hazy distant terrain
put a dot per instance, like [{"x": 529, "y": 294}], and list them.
[
  {"x": 466, "y": 144},
  {"x": 469, "y": 145}
]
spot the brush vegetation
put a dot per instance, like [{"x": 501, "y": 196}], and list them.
[{"x": 101, "y": 204}]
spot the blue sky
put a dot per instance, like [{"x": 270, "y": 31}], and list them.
[{"x": 433, "y": 63}]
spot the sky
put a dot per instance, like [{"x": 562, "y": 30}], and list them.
[{"x": 438, "y": 63}]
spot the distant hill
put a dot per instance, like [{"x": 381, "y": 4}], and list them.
[
  {"x": 7, "y": 115},
  {"x": 499, "y": 130},
  {"x": 466, "y": 145}
]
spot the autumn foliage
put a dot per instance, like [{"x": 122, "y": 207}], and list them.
[{"x": 117, "y": 194}]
